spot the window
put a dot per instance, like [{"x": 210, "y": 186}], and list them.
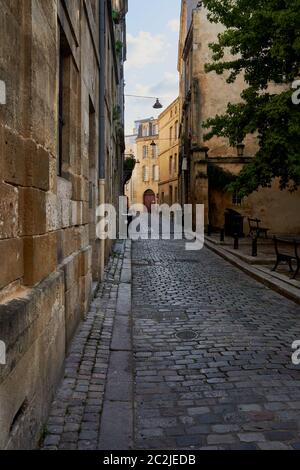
[
  {"x": 154, "y": 129},
  {"x": 153, "y": 151},
  {"x": 175, "y": 163},
  {"x": 170, "y": 195},
  {"x": 162, "y": 197},
  {"x": 145, "y": 151},
  {"x": 171, "y": 166},
  {"x": 176, "y": 130},
  {"x": 171, "y": 134},
  {"x": 176, "y": 194},
  {"x": 155, "y": 173},
  {"x": 236, "y": 199},
  {"x": 145, "y": 174}
]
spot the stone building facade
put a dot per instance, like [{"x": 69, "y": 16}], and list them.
[
  {"x": 131, "y": 152},
  {"x": 61, "y": 154},
  {"x": 202, "y": 165},
  {"x": 168, "y": 123},
  {"x": 143, "y": 186}
]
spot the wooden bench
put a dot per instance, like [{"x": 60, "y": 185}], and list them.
[
  {"x": 285, "y": 256},
  {"x": 256, "y": 229}
]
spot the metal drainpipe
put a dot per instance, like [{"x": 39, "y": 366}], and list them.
[{"x": 102, "y": 51}]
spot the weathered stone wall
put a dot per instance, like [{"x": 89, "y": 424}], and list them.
[
  {"x": 204, "y": 95},
  {"x": 210, "y": 93},
  {"x": 48, "y": 248},
  {"x": 278, "y": 210}
]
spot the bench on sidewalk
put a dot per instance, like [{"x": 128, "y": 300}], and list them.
[
  {"x": 284, "y": 255},
  {"x": 256, "y": 229}
]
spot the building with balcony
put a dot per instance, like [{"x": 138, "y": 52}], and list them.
[
  {"x": 168, "y": 122},
  {"x": 143, "y": 186}
]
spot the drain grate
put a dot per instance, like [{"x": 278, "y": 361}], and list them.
[{"x": 186, "y": 334}]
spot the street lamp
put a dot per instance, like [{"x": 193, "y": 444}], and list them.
[{"x": 157, "y": 104}]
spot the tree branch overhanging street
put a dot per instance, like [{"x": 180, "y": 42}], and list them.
[{"x": 263, "y": 38}]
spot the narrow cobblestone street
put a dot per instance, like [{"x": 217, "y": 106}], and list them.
[{"x": 202, "y": 361}]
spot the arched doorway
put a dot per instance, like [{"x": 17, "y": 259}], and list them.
[{"x": 149, "y": 199}]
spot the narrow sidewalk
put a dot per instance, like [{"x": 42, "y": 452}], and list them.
[
  {"x": 75, "y": 418},
  {"x": 279, "y": 283}
]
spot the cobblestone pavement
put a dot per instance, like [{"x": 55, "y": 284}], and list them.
[
  {"x": 211, "y": 352},
  {"x": 233, "y": 385},
  {"x": 74, "y": 422}
]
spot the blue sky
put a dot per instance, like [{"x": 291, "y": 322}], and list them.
[{"x": 151, "y": 68}]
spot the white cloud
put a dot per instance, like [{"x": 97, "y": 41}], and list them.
[
  {"x": 145, "y": 49},
  {"x": 174, "y": 25},
  {"x": 167, "y": 87}
]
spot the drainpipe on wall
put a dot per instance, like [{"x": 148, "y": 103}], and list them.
[{"x": 102, "y": 37}]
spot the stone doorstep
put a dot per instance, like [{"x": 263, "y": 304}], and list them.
[{"x": 274, "y": 281}]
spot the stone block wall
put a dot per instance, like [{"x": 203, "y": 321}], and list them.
[{"x": 48, "y": 249}]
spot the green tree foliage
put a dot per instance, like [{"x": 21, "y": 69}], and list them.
[{"x": 263, "y": 37}]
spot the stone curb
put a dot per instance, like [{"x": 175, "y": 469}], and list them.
[{"x": 116, "y": 432}]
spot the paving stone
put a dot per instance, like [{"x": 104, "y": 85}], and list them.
[
  {"x": 69, "y": 437},
  {"x": 86, "y": 369},
  {"x": 251, "y": 437},
  {"x": 189, "y": 441},
  {"x": 296, "y": 445},
  {"x": 198, "y": 411},
  {"x": 239, "y": 361},
  {"x": 280, "y": 436},
  {"x": 231, "y": 388},
  {"x": 221, "y": 439},
  {"x": 273, "y": 446},
  {"x": 116, "y": 426},
  {"x": 55, "y": 429},
  {"x": 51, "y": 440}
]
